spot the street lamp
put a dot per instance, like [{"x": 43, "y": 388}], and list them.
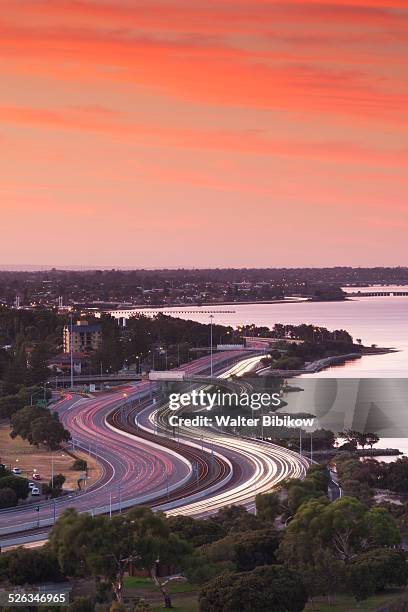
[
  {"x": 52, "y": 470},
  {"x": 71, "y": 353},
  {"x": 211, "y": 345}
]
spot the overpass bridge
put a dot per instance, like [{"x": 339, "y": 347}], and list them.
[
  {"x": 377, "y": 293},
  {"x": 87, "y": 379}
]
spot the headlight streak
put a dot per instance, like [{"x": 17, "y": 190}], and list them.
[{"x": 271, "y": 463}]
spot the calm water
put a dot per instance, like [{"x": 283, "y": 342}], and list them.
[
  {"x": 376, "y": 320},
  {"x": 382, "y": 321}
]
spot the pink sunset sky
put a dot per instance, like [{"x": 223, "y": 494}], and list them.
[{"x": 205, "y": 133}]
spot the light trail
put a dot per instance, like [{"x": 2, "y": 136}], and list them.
[{"x": 271, "y": 464}]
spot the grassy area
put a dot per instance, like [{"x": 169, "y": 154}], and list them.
[
  {"x": 189, "y": 604},
  {"x": 348, "y": 604},
  {"x": 139, "y": 582},
  {"x": 19, "y": 453},
  {"x": 183, "y": 594}
]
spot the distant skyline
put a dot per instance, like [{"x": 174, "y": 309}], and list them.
[{"x": 213, "y": 133}]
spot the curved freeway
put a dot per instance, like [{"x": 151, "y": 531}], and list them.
[{"x": 140, "y": 466}]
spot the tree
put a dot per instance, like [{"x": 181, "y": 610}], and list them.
[
  {"x": 54, "y": 487},
  {"x": 243, "y": 551},
  {"x": 109, "y": 547},
  {"x": 22, "y": 420},
  {"x": 357, "y": 489},
  {"x": 372, "y": 439},
  {"x": 323, "y": 439},
  {"x": 8, "y": 497},
  {"x": 350, "y": 436},
  {"x": 265, "y": 588},
  {"x": 361, "y": 582},
  {"x": 339, "y": 526},
  {"x": 198, "y": 570},
  {"x": 38, "y": 364},
  {"x": 323, "y": 574},
  {"x": 79, "y": 465},
  {"x": 385, "y": 567},
  {"x": 49, "y": 432},
  {"x": 16, "y": 371},
  {"x": 343, "y": 525},
  {"x": 39, "y": 426},
  {"x": 18, "y": 485},
  {"x": 268, "y": 506},
  {"x": 382, "y": 528},
  {"x": 196, "y": 531},
  {"x": 29, "y": 565},
  {"x": 299, "y": 492},
  {"x": 395, "y": 475},
  {"x": 362, "y": 439},
  {"x": 318, "y": 474},
  {"x": 237, "y": 518}
]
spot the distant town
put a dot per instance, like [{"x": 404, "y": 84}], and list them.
[{"x": 130, "y": 288}]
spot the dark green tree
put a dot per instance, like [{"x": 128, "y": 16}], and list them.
[
  {"x": 110, "y": 547},
  {"x": 8, "y": 498},
  {"x": 385, "y": 568},
  {"x": 382, "y": 528},
  {"x": 196, "y": 531},
  {"x": 273, "y": 588},
  {"x": 38, "y": 371},
  {"x": 18, "y": 485},
  {"x": 28, "y": 565},
  {"x": 268, "y": 506},
  {"x": 243, "y": 551}
]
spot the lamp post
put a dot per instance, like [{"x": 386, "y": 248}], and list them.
[
  {"x": 311, "y": 447},
  {"x": 211, "y": 345},
  {"x": 123, "y": 411},
  {"x": 71, "y": 353}
]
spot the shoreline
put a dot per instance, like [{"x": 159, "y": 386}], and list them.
[
  {"x": 213, "y": 304},
  {"x": 322, "y": 364},
  {"x": 288, "y": 300}
]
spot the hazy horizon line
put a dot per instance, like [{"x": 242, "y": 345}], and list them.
[{"x": 84, "y": 268}]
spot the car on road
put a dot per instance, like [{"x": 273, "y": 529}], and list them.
[
  {"x": 35, "y": 491},
  {"x": 16, "y": 470},
  {"x": 36, "y": 477},
  {"x": 32, "y": 485}
]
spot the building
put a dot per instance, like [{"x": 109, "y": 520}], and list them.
[
  {"x": 85, "y": 337},
  {"x": 61, "y": 363}
]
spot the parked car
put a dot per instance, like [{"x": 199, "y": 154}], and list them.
[
  {"x": 16, "y": 470},
  {"x": 31, "y": 485},
  {"x": 36, "y": 477},
  {"x": 35, "y": 491}
]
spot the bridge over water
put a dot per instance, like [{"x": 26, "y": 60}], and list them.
[{"x": 377, "y": 293}]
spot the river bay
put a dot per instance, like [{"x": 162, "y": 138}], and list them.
[{"x": 375, "y": 320}]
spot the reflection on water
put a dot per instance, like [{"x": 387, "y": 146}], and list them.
[{"x": 380, "y": 320}]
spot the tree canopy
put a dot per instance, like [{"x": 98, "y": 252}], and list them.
[{"x": 265, "y": 588}]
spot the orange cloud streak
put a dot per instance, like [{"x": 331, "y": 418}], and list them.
[{"x": 254, "y": 106}]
